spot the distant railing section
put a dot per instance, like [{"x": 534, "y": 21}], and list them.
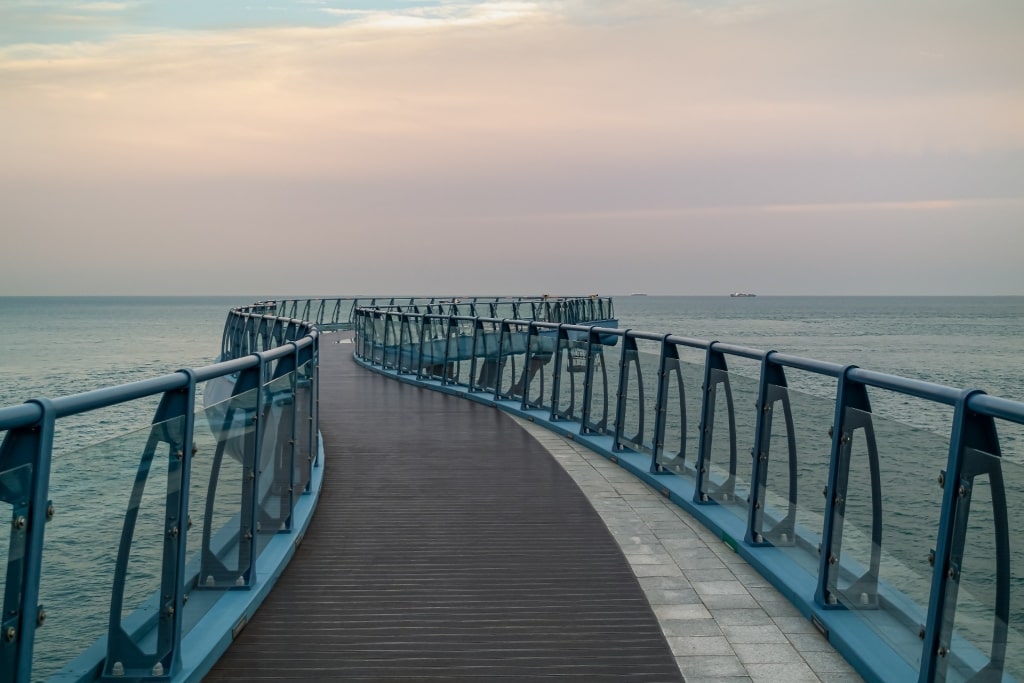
[
  {"x": 250, "y": 330},
  {"x": 151, "y": 528},
  {"x": 850, "y": 513}
]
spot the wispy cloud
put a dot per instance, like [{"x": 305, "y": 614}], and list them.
[{"x": 537, "y": 120}]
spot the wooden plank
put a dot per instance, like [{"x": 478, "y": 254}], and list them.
[{"x": 448, "y": 545}]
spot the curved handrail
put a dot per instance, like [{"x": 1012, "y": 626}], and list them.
[
  {"x": 268, "y": 387},
  {"x": 854, "y": 602}
]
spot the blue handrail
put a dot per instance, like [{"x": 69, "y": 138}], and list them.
[
  {"x": 839, "y": 580},
  {"x": 670, "y": 408},
  {"x": 268, "y": 389}
]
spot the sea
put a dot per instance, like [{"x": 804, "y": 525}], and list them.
[{"x": 57, "y": 346}]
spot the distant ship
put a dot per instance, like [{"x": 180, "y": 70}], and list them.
[{"x": 741, "y": 294}]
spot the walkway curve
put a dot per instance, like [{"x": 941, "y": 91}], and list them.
[{"x": 448, "y": 545}]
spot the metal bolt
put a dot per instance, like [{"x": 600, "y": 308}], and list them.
[
  {"x": 10, "y": 634},
  {"x": 951, "y": 573},
  {"x": 824, "y": 492},
  {"x": 50, "y": 511},
  {"x": 179, "y": 454},
  {"x": 173, "y": 532},
  {"x": 962, "y": 490},
  {"x": 942, "y": 479},
  {"x": 40, "y": 616},
  {"x": 830, "y": 431},
  {"x": 20, "y": 522},
  {"x": 943, "y": 651},
  {"x": 832, "y": 559},
  {"x": 931, "y": 558},
  {"x": 920, "y": 632},
  {"x": 195, "y": 449}
]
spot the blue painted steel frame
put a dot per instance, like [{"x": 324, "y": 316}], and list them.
[
  {"x": 25, "y": 456},
  {"x": 974, "y": 450}
]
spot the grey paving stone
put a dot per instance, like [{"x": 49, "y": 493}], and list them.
[
  {"x": 705, "y": 588},
  {"x": 690, "y": 627},
  {"x": 796, "y": 672},
  {"x": 660, "y": 596},
  {"x": 763, "y": 633},
  {"x": 742, "y": 617},
  {"x": 710, "y": 665},
  {"x": 730, "y": 602},
  {"x": 767, "y": 653},
  {"x": 681, "y": 612},
  {"x": 699, "y": 645}
]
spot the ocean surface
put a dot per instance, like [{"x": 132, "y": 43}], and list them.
[{"x": 54, "y": 346}]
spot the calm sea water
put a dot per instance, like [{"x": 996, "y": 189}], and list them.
[{"x": 59, "y": 346}]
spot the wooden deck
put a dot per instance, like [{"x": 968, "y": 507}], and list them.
[{"x": 448, "y": 545}]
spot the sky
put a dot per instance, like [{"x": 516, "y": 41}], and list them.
[{"x": 790, "y": 147}]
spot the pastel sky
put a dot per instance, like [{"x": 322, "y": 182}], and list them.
[{"x": 679, "y": 147}]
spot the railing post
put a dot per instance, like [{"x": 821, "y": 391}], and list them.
[
  {"x": 714, "y": 360},
  {"x": 125, "y": 657},
  {"x": 850, "y": 395},
  {"x": 25, "y": 457},
  {"x": 771, "y": 388},
  {"x": 628, "y": 344},
  {"x": 668, "y": 352},
  {"x": 973, "y": 450}
]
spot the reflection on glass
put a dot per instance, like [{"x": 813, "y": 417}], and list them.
[
  {"x": 274, "y": 499},
  {"x": 604, "y": 383},
  {"x": 989, "y": 625},
  {"x": 641, "y": 395},
  {"x": 568, "y": 404},
  {"x": 798, "y": 454},
  {"x": 224, "y": 520},
  {"x": 682, "y": 416},
  {"x": 90, "y": 489},
  {"x": 730, "y": 431},
  {"x": 886, "y": 516}
]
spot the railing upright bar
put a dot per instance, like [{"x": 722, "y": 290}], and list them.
[
  {"x": 628, "y": 345},
  {"x": 660, "y": 406},
  {"x": 31, "y": 445}
]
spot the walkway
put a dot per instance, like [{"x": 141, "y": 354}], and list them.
[
  {"x": 723, "y": 621},
  {"x": 448, "y": 545}
]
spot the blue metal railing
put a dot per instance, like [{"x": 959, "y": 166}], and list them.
[
  {"x": 235, "y": 467},
  {"x": 898, "y": 543},
  {"x": 878, "y": 532}
]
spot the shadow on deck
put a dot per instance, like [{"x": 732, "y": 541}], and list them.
[{"x": 448, "y": 545}]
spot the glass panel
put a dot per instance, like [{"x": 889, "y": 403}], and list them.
[
  {"x": 569, "y": 401},
  {"x": 983, "y": 615},
  {"x": 682, "y": 416},
  {"x": 541, "y": 368},
  {"x": 488, "y": 337},
  {"x": 604, "y": 381},
  {"x": 225, "y": 441},
  {"x": 512, "y": 365},
  {"x": 732, "y": 427},
  {"x": 274, "y": 500},
  {"x": 304, "y": 437},
  {"x": 799, "y": 452},
  {"x": 641, "y": 395},
  {"x": 434, "y": 347},
  {"x": 888, "y": 533},
  {"x": 91, "y": 492}
]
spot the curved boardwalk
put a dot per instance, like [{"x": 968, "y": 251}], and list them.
[{"x": 448, "y": 545}]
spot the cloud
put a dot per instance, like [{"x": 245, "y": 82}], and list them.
[{"x": 543, "y": 126}]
